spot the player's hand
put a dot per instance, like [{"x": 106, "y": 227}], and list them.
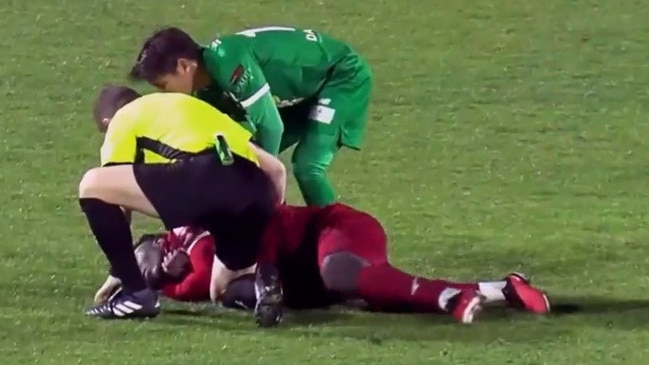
[
  {"x": 176, "y": 265},
  {"x": 107, "y": 289}
]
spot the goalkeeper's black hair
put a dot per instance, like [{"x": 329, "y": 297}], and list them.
[
  {"x": 149, "y": 256},
  {"x": 148, "y": 238},
  {"x": 160, "y": 53}
]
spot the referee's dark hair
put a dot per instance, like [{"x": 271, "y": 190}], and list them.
[{"x": 111, "y": 98}]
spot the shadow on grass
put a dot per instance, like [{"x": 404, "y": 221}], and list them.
[
  {"x": 199, "y": 312},
  {"x": 597, "y": 305},
  {"x": 245, "y": 318},
  {"x": 375, "y": 328},
  {"x": 494, "y": 325},
  {"x": 622, "y": 314}
]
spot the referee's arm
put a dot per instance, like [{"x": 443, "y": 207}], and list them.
[{"x": 275, "y": 170}]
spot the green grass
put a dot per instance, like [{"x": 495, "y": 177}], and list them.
[{"x": 504, "y": 135}]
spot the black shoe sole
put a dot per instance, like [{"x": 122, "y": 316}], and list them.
[
  {"x": 134, "y": 316},
  {"x": 268, "y": 311},
  {"x": 268, "y": 314}
]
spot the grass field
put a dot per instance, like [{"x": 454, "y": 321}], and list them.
[{"x": 505, "y": 135}]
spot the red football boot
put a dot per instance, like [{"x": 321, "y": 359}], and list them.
[{"x": 519, "y": 293}]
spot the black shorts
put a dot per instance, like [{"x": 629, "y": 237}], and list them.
[
  {"x": 234, "y": 202},
  {"x": 299, "y": 113}
]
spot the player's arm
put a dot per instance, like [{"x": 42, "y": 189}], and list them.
[
  {"x": 196, "y": 285},
  {"x": 275, "y": 170},
  {"x": 265, "y": 117},
  {"x": 194, "y": 288},
  {"x": 271, "y": 165},
  {"x": 240, "y": 75},
  {"x": 222, "y": 276}
]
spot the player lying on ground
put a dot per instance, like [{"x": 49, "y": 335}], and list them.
[
  {"x": 178, "y": 263},
  {"x": 174, "y": 157},
  {"x": 324, "y": 256},
  {"x": 320, "y": 85}
]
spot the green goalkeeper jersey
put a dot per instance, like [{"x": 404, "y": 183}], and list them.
[{"x": 268, "y": 68}]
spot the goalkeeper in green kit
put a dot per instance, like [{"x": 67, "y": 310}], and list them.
[{"x": 289, "y": 86}]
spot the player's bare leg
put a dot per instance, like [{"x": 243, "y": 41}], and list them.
[
  {"x": 102, "y": 193},
  {"x": 116, "y": 185}
]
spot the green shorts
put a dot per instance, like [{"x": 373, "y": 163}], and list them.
[{"x": 337, "y": 115}]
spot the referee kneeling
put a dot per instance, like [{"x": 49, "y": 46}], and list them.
[{"x": 175, "y": 157}]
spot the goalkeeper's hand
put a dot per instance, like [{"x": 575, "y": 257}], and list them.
[
  {"x": 107, "y": 289},
  {"x": 176, "y": 265}
]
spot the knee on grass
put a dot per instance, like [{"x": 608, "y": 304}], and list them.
[{"x": 340, "y": 271}]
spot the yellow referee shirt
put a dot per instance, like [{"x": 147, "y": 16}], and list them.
[{"x": 163, "y": 127}]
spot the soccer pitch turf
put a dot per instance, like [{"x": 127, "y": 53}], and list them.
[{"x": 504, "y": 135}]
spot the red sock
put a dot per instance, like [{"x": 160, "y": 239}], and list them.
[{"x": 386, "y": 288}]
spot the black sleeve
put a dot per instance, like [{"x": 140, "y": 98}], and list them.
[
  {"x": 139, "y": 158},
  {"x": 115, "y": 164},
  {"x": 228, "y": 105}
]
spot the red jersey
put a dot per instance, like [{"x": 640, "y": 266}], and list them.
[
  {"x": 199, "y": 245},
  {"x": 287, "y": 231},
  {"x": 295, "y": 230},
  {"x": 290, "y": 242}
]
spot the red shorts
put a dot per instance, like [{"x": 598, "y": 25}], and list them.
[
  {"x": 339, "y": 229},
  {"x": 345, "y": 229}
]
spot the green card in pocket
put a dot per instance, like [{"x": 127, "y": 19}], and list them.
[{"x": 223, "y": 150}]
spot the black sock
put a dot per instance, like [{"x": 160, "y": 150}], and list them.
[{"x": 113, "y": 234}]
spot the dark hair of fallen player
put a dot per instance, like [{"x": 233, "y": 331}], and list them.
[
  {"x": 111, "y": 98},
  {"x": 161, "y": 51}
]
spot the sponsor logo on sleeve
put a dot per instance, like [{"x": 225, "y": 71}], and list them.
[
  {"x": 240, "y": 79},
  {"x": 236, "y": 75}
]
